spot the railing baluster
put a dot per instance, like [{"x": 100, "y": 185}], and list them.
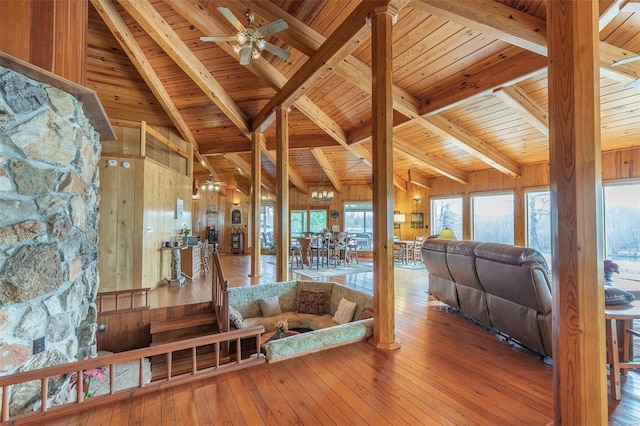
[
  {"x": 5, "y": 403},
  {"x": 141, "y": 373},
  {"x": 44, "y": 390},
  {"x": 112, "y": 378},
  {"x": 112, "y": 360}
]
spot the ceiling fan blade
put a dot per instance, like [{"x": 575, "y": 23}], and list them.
[
  {"x": 221, "y": 38},
  {"x": 245, "y": 56},
  {"x": 626, "y": 60},
  {"x": 272, "y": 48},
  {"x": 231, "y": 18},
  {"x": 273, "y": 27}
]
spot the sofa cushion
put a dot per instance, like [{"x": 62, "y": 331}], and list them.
[
  {"x": 615, "y": 296},
  {"x": 270, "y": 306},
  {"x": 344, "y": 313},
  {"x": 235, "y": 317},
  {"x": 311, "y": 301},
  {"x": 365, "y": 314}
]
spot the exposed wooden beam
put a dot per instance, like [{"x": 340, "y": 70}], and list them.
[
  {"x": 327, "y": 169},
  {"x": 417, "y": 178},
  {"x": 281, "y": 219},
  {"x": 494, "y": 18},
  {"x": 609, "y": 9},
  {"x": 111, "y": 17},
  {"x": 295, "y": 178},
  {"x": 344, "y": 40},
  {"x": 430, "y": 162},
  {"x": 473, "y": 145},
  {"x": 575, "y": 158},
  {"x": 523, "y": 30},
  {"x": 162, "y": 33},
  {"x": 203, "y": 19},
  {"x": 527, "y": 107},
  {"x": 255, "y": 207},
  {"x": 246, "y": 168},
  {"x": 631, "y": 6},
  {"x": 512, "y": 70}
]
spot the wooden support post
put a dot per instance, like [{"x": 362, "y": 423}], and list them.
[
  {"x": 576, "y": 218},
  {"x": 256, "y": 184},
  {"x": 282, "y": 194},
  {"x": 382, "y": 156}
]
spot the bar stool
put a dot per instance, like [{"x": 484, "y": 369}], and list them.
[
  {"x": 619, "y": 353},
  {"x": 204, "y": 258},
  {"x": 352, "y": 251}
]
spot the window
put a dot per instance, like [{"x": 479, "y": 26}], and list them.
[
  {"x": 538, "y": 225},
  {"x": 622, "y": 228},
  {"x": 298, "y": 225},
  {"x": 266, "y": 225},
  {"x": 307, "y": 220},
  {"x": 492, "y": 218},
  {"x": 358, "y": 221},
  {"x": 447, "y": 213}
]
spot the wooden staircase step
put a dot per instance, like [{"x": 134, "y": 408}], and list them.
[
  {"x": 183, "y": 365},
  {"x": 180, "y": 323},
  {"x": 182, "y": 335}
]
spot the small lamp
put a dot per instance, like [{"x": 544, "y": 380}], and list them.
[
  {"x": 399, "y": 219},
  {"x": 447, "y": 234}
]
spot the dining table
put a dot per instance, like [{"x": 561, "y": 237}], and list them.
[{"x": 404, "y": 246}]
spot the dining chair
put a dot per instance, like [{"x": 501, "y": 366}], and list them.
[
  {"x": 320, "y": 249},
  {"x": 339, "y": 247},
  {"x": 352, "y": 251},
  {"x": 414, "y": 252},
  {"x": 295, "y": 254}
]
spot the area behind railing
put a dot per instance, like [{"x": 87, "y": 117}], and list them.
[{"x": 45, "y": 375}]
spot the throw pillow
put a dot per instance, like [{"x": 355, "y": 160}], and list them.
[
  {"x": 235, "y": 317},
  {"x": 311, "y": 301},
  {"x": 616, "y": 296},
  {"x": 270, "y": 306},
  {"x": 366, "y": 313},
  {"x": 345, "y": 311}
]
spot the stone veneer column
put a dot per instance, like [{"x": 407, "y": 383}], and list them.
[{"x": 48, "y": 229}]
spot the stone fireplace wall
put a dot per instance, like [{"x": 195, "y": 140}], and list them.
[{"x": 48, "y": 228}]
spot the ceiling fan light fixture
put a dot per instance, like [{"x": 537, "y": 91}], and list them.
[
  {"x": 210, "y": 187},
  {"x": 242, "y": 39},
  {"x": 237, "y": 48},
  {"x": 260, "y": 44},
  {"x": 255, "y": 53}
]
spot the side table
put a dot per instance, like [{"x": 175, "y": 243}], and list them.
[
  {"x": 176, "y": 272},
  {"x": 619, "y": 353}
]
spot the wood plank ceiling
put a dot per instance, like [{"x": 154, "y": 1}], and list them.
[{"x": 470, "y": 84}]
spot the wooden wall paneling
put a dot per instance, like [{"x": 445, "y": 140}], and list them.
[
  {"x": 15, "y": 28},
  {"x": 125, "y": 331},
  {"x": 50, "y": 34},
  {"x": 107, "y": 226},
  {"x": 127, "y": 225},
  {"x": 140, "y": 233}
]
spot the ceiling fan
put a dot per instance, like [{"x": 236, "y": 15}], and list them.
[
  {"x": 212, "y": 185},
  {"x": 250, "y": 40}
]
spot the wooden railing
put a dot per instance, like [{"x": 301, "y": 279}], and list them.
[
  {"x": 137, "y": 299},
  {"x": 44, "y": 375},
  {"x": 220, "y": 294}
]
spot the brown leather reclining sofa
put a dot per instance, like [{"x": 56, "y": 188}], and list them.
[{"x": 505, "y": 287}]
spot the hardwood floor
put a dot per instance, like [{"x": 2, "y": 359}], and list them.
[{"x": 448, "y": 371}]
